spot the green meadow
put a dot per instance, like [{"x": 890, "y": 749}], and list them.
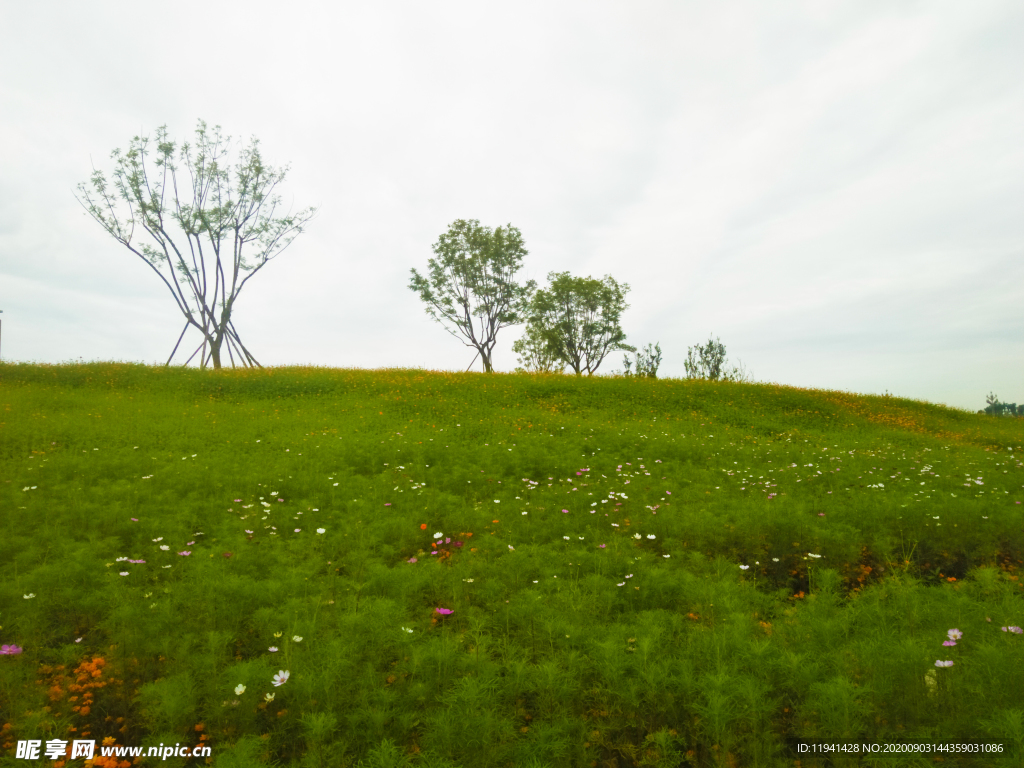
[{"x": 324, "y": 567}]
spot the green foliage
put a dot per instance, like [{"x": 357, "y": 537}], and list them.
[
  {"x": 577, "y": 319},
  {"x": 535, "y": 354},
  {"x": 473, "y": 276},
  {"x": 558, "y": 651},
  {"x": 200, "y": 227},
  {"x": 647, "y": 362},
  {"x": 995, "y": 408},
  {"x": 709, "y": 363}
]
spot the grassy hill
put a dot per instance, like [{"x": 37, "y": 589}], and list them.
[{"x": 501, "y": 570}]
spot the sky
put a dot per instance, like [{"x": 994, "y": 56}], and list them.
[{"x": 834, "y": 190}]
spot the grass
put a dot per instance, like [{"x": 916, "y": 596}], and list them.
[{"x": 504, "y": 570}]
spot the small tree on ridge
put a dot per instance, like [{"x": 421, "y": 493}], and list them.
[
  {"x": 578, "y": 319},
  {"x": 200, "y": 233},
  {"x": 473, "y": 277}
]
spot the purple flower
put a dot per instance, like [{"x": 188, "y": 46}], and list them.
[
  {"x": 9, "y": 650},
  {"x": 458, "y": 543},
  {"x": 443, "y": 611}
]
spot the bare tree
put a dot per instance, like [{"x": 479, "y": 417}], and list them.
[
  {"x": 473, "y": 276},
  {"x": 201, "y": 262}
]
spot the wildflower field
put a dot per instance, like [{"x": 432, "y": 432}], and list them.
[{"x": 318, "y": 567}]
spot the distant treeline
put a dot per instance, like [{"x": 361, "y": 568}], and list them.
[{"x": 996, "y": 408}]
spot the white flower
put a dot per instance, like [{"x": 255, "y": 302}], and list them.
[
  {"x": 744, "y": 567},
  {"x": 404, "y": 629},
  {"x": 636, "y": 535},
  {"x": 124, "y": 573},
  {"x": 497, "y": 501},
  {"x": 239, "y": 689},
  {"x": 438, "y": 535},
  {"x": 321, "y": 530},
  {"x": 30, "y": 595},
  {"x": 164, "y": 547},
  {"x": 651, "y": 536},
  {"x": 281, "y": 677},
  {"x": 296, "y": 639},
  {"x": 268, "y": 696}
]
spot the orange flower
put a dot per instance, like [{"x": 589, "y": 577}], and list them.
[{"x": 423, "y": 526}]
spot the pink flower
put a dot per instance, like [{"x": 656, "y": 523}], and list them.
[
  {"x": 238, "y": 501},
  {"x": 9, "y": 650},
  {"x": 185, "y": 554},
  {"x": 443, "y": 611},
  {"x": 135, "y": 519},
  {"x": 602, "y": 546},
  {"x": 411, "y": 560}
]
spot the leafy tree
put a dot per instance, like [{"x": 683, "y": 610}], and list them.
[
  {"x": 647, "y": 362},
  {"x": 709, "y": 364},
  {"x": 578, "y": 319},
  {"x": 535, "y": 355},
  {"x": 200, "y": 234},
  {"x": 473, "y": 277}
]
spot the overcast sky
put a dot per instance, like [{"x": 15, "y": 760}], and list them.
[{"x": 833, "y": 189}]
